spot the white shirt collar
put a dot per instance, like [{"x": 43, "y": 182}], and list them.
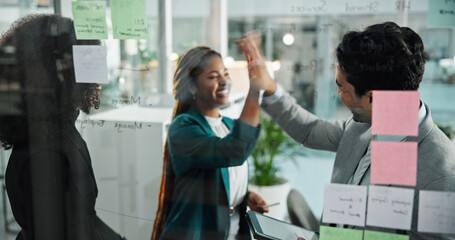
[
  {"x": 422, "y": 112},
  {"x": 214, "y": 121}
]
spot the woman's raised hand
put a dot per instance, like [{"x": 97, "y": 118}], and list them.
[{"x": 259, "y": 76}]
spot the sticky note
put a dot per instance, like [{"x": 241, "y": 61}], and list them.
[
  {"x": 90, "y": 63},
  {"x": 90, "y": 19},
  {"x": 436, "y": 212},
  {"x": 441, "y": 13},
  {"x": 395, "y": 113},
  {"x": 390, "y": 207},
  {"x": 373, "y": 235},
  {"x": 344, "y": 204},
  {"x": 129, "y": 19},
  {"x": 333, "y": 233},
  {"x": 394, "y": 163}
]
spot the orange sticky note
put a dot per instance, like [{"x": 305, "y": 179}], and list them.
[
  {"x": 395, "y": 113},
  {"x": 394, "y": 163}
]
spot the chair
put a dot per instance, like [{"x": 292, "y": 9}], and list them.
[{"x": 300, "y": 213}]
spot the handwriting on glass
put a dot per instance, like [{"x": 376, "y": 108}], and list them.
[
  {"x": 128, "y": 101},
  {"x": 310, "y": 9},
  {"x": 369, "y": 7},
  {"x": 89, "y": 122}
]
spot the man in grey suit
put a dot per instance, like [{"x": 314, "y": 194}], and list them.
[{"x": 382, "y": 57}]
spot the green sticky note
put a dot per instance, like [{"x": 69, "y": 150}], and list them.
[
  {"x": 333, "y": 233},
  {"x": 373, "y": 235},
  {"x": 129, "y": 19},
  {"x": 441, "y": 13},
  {"x": 90, "y": 19}
]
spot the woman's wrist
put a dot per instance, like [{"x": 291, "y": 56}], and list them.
[{"x": 253, "y": 92}]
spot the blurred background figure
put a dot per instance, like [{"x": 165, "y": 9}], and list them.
[{"x": 49, "y": 178}]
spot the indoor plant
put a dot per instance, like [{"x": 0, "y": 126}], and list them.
[
  {"x": 272, "y": 142},
  {"x": 447, "y": 130}
]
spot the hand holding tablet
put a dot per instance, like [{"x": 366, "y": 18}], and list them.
[
  {"x": 256, "y": 203},
  {"x": 267, "y": 228}
]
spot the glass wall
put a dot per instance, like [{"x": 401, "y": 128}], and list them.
[
  {"x": 10, "y": 11},
  {"x": 307, "y": 64},
  {"x": 126, "y": 136},
  {"x": 134, "y": 64}
]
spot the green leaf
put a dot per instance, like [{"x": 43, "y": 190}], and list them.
[{"x": 272, "y": 142}]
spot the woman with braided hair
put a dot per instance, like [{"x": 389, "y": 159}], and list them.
[{"x": 204, "y": 190}]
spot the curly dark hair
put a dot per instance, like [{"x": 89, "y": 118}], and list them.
[
  {"x": 382, "y": 57},
  {"x": 37, "y": 81}
]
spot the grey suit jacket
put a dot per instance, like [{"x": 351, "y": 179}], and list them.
[{"x": 350, "y": 140}]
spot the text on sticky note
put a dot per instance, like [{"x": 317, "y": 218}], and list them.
[
  {"x": 436, "y": 212},
  {"x": 129, "y": 19},
  {"x": 390, "y": 207},
  {"x": 344, "y": 204},
  {"x": 90, "y": 63},
  {"x": 90, "y": 19}
]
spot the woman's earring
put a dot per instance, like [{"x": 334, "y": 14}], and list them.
[{"x": 194, "y": 96}]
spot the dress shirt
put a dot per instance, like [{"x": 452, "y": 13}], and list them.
[{"x": 238, "y": 176}]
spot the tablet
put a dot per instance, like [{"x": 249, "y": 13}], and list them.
[{"x": 267, "y": 228}]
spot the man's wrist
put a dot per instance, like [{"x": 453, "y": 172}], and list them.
[
  {"x": 271, "y": 88},
  {"x": 274, "y": 97}
]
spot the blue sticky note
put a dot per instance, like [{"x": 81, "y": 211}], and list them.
[{"x": 441, "y": 13}]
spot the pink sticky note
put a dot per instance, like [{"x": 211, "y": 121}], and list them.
[
  {"x": 395, "y": 113},
  {"x": 394, "y": 163}
]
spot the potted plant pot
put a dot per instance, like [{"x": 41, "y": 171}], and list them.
[{"x": 274, "y": 194}]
